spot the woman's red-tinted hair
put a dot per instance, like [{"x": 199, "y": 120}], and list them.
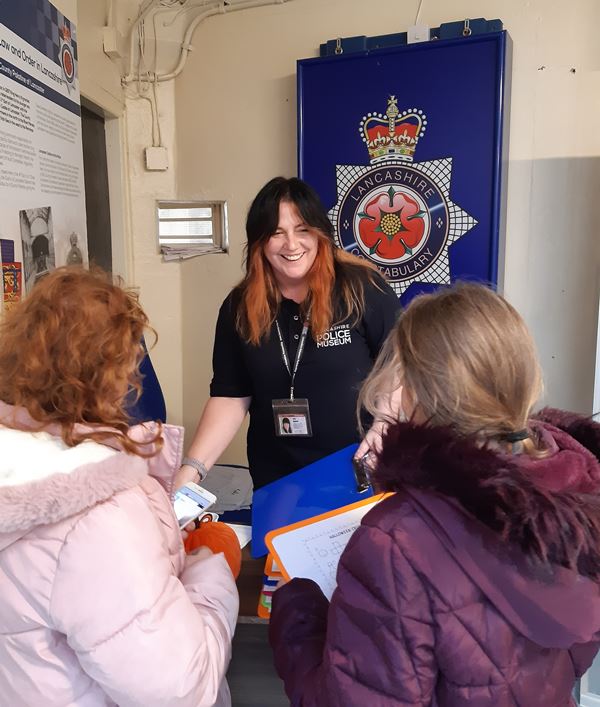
[{"x": 69, "y": 354}]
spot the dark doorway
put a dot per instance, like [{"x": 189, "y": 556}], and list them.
[{"x": 97, "y": 203}]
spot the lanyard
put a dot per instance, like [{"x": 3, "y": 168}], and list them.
[{"x": 299, "y": 352}]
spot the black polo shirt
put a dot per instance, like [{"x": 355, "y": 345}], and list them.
[{"x": 329, "y": 376}]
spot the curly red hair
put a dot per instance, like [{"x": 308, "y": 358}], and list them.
[{"x": 70, "y": 354}]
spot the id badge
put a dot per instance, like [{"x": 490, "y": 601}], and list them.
[{"x": 292, "y": 418}]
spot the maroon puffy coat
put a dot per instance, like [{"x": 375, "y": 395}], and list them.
[{"x": 464, "y": 587}]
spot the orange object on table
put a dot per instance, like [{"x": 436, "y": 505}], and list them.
[{"x": 217, "y": 537}]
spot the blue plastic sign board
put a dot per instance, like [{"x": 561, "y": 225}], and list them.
[
  {"x": 405, "y": 146},
  {"x": 317, "y": 488}
]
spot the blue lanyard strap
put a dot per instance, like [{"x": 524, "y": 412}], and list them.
[{"x": 299, "y": 352}]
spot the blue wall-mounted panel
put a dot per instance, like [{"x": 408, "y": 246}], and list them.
[{"x": 405, "y": 145}]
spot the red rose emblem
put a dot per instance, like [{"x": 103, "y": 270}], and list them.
[
  {"x": 68, "y": 63},
  {"x": 391, "y": 225}
]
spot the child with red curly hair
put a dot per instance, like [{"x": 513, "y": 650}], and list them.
[{"x": 100, "y": 605}]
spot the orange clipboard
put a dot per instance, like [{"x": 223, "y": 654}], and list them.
[{"x": 311, "y": 548}]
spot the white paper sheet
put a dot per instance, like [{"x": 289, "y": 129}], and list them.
[
  {"x": 313, "y": 551},
  {"x": 243, "y": 532}
]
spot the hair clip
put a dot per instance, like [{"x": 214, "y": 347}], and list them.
[{"x": 517, "y": 435}]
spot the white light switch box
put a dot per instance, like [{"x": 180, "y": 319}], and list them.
[{"x": 157, "y": 159}]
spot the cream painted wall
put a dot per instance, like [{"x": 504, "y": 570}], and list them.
[
  {"x": 236, "y": 128},
  {"x": 68, "y": 8},
  {"x": 133, "y": 190},
  {"x": 100, "y": 76},
  {"x": 160, "y": 283}
]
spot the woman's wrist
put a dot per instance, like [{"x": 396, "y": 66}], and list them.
[
  {"x": 197, "y": 465},
  {"x": 185, "y": 475}
]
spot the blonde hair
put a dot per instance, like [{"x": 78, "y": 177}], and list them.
[{"x": 466, "y": 358}]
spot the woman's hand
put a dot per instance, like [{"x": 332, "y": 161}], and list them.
[
  {"x": 390, "y": 408},
  {"x": 190, "y": 527},
  {"x": 372, "y": 440},
  {"x": 202, "y": 552},
  {"x": 185, "y": 474}
]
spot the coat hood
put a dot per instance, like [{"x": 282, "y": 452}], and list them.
[
  {"x": 43, "y": 481},
  {"x": 526, "y": 531}
]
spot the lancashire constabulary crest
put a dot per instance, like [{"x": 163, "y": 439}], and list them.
[
  {"x": 396, "y": 212},
  {"x": 66, "y": 57}
]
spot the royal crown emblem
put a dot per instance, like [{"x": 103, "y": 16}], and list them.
[
  {"x": 394, "y": 135},
  {"x": 65, "y": 33}
]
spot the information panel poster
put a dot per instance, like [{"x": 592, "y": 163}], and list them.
[
  {"x": 42, "y": 202},
  {"x": 405, "y": 146}
]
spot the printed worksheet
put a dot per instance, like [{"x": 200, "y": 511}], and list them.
[{"x": 312, "y": 548}]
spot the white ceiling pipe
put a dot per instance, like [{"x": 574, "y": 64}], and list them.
[
  {"x": 110, "y": 13},
  {"x": 132, "y": 32},
  {"x": 186, "y": 45}
]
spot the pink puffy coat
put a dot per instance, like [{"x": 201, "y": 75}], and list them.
[{"x": 98, "y": 603}]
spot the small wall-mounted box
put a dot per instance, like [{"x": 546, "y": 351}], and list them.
[
  {"x": 157, "y": 159},
  {"x": 418, "y": 33},
  {"x": 112, "y": 42}
]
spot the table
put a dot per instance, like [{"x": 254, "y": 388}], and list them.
[
  {"x": 252, "y": 677},
  {"x": 249, "y": 585}
]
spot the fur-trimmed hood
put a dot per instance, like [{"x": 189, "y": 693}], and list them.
[
  {"x": 549, "y": 508},
  {"x": 43, "y": 481},
  {"x": 526, "y": 531}
]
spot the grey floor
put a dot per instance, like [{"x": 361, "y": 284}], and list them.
[{"x": 252, "y": 678}]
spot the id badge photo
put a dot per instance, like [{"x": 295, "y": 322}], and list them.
[{"x": 292, "y": 418}]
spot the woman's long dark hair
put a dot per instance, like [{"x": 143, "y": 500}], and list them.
[
  {"x": 259, "y": 295},
  {"x": 263, "y": 214}
]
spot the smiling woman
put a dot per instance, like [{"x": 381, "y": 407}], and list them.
[
  {"x": 291, "y": 251},
  {"x": 274, "y": 352}
]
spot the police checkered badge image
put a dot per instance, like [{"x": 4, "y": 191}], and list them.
[{"x": 55, "y": 36}]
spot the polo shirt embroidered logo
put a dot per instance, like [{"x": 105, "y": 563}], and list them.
[
  {"x": 336, "y": 336},
  {"x": 396, "y": 213}
]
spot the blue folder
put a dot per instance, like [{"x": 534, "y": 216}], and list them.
[{"x": 317, "y": 488}]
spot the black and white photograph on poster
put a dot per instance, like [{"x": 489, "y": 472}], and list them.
[
  {"x": 74, "y": 256},
  {"x": 37, "y": 239}
]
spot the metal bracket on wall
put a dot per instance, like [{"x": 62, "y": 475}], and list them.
[{"x": 449, "y": 30}]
